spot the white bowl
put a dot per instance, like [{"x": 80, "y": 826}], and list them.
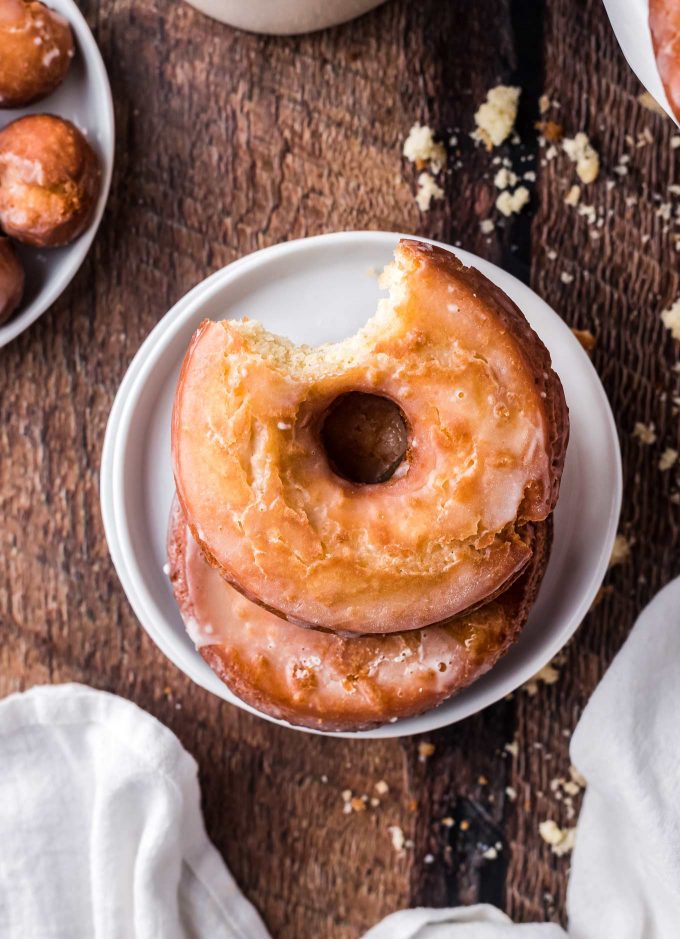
[
  {"x": 84, "y": 98},
  {"x": 315, "y": 290},
  {"x": 284, "y": 17}
]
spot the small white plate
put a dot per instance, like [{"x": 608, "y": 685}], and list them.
[
  {"x": 313, "y": 291},
  {"x": 84, "y": 98}
]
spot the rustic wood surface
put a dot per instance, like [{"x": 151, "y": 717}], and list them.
[{"x": 228, "y": 142}]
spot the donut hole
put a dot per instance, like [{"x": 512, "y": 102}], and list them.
[{"x": 365, "y": 437}]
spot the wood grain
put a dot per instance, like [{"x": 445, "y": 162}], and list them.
[{"x": 228, "y": 142}]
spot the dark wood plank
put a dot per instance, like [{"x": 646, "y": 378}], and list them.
[{"x": 228, "y": 142}]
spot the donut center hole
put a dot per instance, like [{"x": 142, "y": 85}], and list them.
[{"x": 365, "y": 437}]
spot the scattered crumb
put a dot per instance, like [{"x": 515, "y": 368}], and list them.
[
  {"x": 512, "y": 748},
  {"x": 675, "y": 142},
  {"x": 427, "y": 191},
  {"x": 671, "y": 318},
  {"x": 586, "y": 338},
  {"x": 573, "y": 196},
  {"x": 428, "y": 859},
  {"x": 487, "y": 225},
  {"x": 543, "y": 104},
  {"x": 358, "y": 805},
  {"x": 448, "y": 822},
  {"x": 483, "y": 781},
  {"x": 649, "y": 101},
  {"x": 550, "y": 130},
  {"x": 668, "y": 459},
  {"x": 547, "y": 675},
  {"x": 464, "y": 825},
  {"x": 495, "y": 118},
  {"x": 512, "y": 203},
  {"x": 580, "y": 152},
  {"x": 381, "y": 787},
  {"x": 504, "y": 178},
  {"x": 397, "y": 838},
  {"x": 425, "y": 751},
  {"x": 645, "y": 433},
  {"x": 561, "y": 840},
  {"x": 511, "y": 793},
  {"x": 552, "y": 255},
  {"x": 566, "y": 277},
  {"x": 620, "y": 551},
  {"x": 421, "y": 148},
  {"x": 490, "y": 854},
  {"x": 577, "y": 777},
  {"x": 530, "y": 176}
]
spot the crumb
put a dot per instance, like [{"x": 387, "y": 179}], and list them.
[
  {"x": 397, "y": 838},
  {"x": 512, "y": 203},
  {"x": 580, "y": 152},
  {"x": 421, "y": 148},
  {"x": 381, "y": 787},
  {"x": 511, "y": 793},
  {"x": 530, "y": 176},
  {"x": 548, "y": 675},
  {"x": 566, "y": 278},
  {"x": 668, "y": 459},
  {"x": 649, "y": 101},
  {"x": 427, "y": 191},
  {"x": 324, "y": 778},
  {"x": 487, "y": 225},
  {"x": 551, "y": 130},
  {"x": 483, "y": 781},
  {"x": 586, "y": 338},
  {"x": 358, "y": 805},
  {"x": 425, "y": 751},
  {"x": 512, "y": 748},
  {"x": 675, "y": 142},
  {"x": 448, "y": 822},
  {"x": 551, "y": 152},
  {"x": 561, "y": 840},
  {"x": 573, "y": 196},
  {"x": 620, "y": 551},
  {"x": 495, "y": 118},
  {"x": 552, "y": 255},
  {"x": 671, "y": 319},
  {"x": 428, "y": 859},
  {"x": 543, "y": 104},
  {"x": 490, "y": 854},
  {"x": 645, "y": 433},
  {"x": 464, "y": 825},
  {"x": 504, "y": 178}
]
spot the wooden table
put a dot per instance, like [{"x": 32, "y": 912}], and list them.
[{"x": 228, "y": 142}]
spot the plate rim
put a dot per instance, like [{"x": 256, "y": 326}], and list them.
[
  {"x": 117, "y": 437},
  {"x": 82, "y": 245}
]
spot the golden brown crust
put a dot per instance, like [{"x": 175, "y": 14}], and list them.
[
  {"x": 664, "y": 25},
  {"x": 487, "y": 432},
  {"x": 50, "y": 179},
  {"x": 324, "y": 681},
  {"x": 11, "y": 280},
  {"x": 36, "y": 49}
]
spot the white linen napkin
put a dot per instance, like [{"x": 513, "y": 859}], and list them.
[{"x": 101, "y": 833}]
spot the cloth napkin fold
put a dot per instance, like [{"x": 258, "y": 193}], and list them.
[
  {"x": 101, "y": 835},
  {"x": 101, "y": 832}
]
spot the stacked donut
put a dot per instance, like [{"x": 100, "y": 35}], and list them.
[
  {"x": 361, "y": 528},
  {"x": 49, "y": 173}
]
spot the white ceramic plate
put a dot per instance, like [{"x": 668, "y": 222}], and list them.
[
  {"x": 316, "y": 290},
  {"x": 85, "y": 99}
]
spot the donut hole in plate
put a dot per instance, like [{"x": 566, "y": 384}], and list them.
[{"x": 365, "y": 437}]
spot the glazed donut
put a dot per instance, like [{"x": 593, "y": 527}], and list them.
[
  {"x": 49, "y": 180},
  {"x": 321, "y": 680},
  {"x": 11, "y": 280},
  {"x": 485, "y": 429},
  {"x": 664, "y": 25},
  {"x": 36, "y": 49}
]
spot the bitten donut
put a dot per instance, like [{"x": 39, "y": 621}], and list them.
[
  {"x": 664, "y": 25},
  {"x": 321, "y": 680},
  {"x": 36, "y": 48},
  {"x": 264, "y": 483},
  {"x": 49, "y": 181},
  {"x": 11, "y": 280}
]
